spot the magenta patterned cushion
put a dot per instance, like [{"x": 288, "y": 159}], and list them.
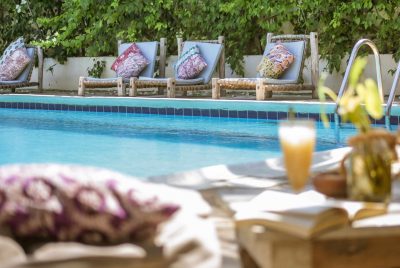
[
  {"x": 190, "y": 64},
  {"x": 73, "y": 203},
  {"x": 130, "y": 63},
  {"x": 14, "y": 64}
]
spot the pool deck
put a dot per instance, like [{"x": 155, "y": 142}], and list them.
[
  {"x": 246, "y": 95},
  {"x": 234, "y": 95}
]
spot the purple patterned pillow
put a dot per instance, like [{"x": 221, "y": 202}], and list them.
[
  {"x": 14, "y": 64},
  {"x": 130, "y": 63},
  {"x": 190, "y": 64},
  {"x": 19, "y": 43},
  {"x": 73, "y": 203}
]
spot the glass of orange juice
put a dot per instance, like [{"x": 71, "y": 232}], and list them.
[{"x": 297, "y": 138}]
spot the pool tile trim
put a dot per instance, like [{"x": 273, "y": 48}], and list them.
[{"x": 171, "y": 111}]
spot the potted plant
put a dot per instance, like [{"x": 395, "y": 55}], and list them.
[{"x": 368, "y": 166}]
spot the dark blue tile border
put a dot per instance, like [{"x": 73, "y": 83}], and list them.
[
  {"x": 316, "y": 117},
  {"x": 267, "y": 115},
  {"x": 122, "y": 109},
  {"x": 233, "y": 114},
  {"x": 100, "y": 109},
  {"x": 214, "y": 112},
  {"x": 130, "y": 110},
  {"x": 178, "y": 111},
  {"x": 394, "y": 120},
  {"x": 224, "y": 113},
  {"x": 271, "y": 115},
  {"x": 282, "y": 115},
  {"x": 205, "y": 112},
  {"x": 114, "y": 109},
  {"x": 170, "y": 111},
  {"x": 187, "y": 112},
  {"x": 153, "y": 111},
  {"x": 145, "y": 110},
  {"x": 242, "y": 114},
  {"x": 196, "y": 112},
  {"x": 252, "y": 114}
]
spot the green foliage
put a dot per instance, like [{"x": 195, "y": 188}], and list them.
[
  {"x": 97, "y": 69},
  {"x": 360, "y": 100},
  {"x": 92, "y": 27},
  {"x": 19, "y": 18}
]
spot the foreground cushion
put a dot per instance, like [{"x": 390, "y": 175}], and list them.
[
  {"x": 19, "y": 43},
  {"x": 130, "y": 63},
  {"x": 274, "y": 64},
  {"x": 190, "y": 64},
  {"x": 14, "y": 64},
  {"x": 73, "y": 203}
]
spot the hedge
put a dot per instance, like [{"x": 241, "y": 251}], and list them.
[{"x": 91, "y": 27}]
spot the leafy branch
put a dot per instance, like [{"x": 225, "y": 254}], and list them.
[{"x": 360, "y": 101}]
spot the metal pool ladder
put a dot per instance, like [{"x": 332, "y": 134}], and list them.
[
  {"x": 353, "y": 56},
  {"x": 391, "y": 97}
]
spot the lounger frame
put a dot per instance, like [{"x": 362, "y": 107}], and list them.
[{"x": 265, "y": 87}]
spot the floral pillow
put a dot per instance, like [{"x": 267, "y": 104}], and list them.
[
  {"x": 130, "y": 63},
  {"x": 14, "y": 64},
  {"x": 73, "y": 203},
  {"x": 19, "y": 43},
  {"x": 190, "y": 64},
  {"x": 274, "y": 64}
]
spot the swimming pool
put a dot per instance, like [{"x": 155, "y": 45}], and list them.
[{"x": 142, "y": 144}]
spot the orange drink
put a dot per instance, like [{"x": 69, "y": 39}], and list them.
[{"x": 297, "y": 138}]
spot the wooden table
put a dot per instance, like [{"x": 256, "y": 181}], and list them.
[{"x": 370, "y": 246}]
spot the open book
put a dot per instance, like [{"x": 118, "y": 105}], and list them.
[{"x": 304, "y": 215}]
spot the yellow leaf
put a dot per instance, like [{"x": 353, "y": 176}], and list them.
[
  {"x": 325, "y": 120},
  {"x": 373, "y": 102},
  {"x": 329, "y": 92},
  {"x": 361, "y": 91},
  {"x": 356, "y": 70}
]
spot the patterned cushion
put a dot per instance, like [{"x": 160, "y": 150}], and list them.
[
  {"x": 14, "y": 64},
  {"x": 278, "y": 59},
  {"x": 190, "y": 64},
  {"x": 19, "y": 43},
  {"x": 72, "y": 203},
  {"x": 130, "y": 63}
]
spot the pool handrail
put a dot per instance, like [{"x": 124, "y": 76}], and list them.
[
  {"x": 353, "y": 56},
  {"x": 392, "y": 95}
]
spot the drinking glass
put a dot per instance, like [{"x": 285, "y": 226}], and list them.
[{"x": 297, "y": 138}]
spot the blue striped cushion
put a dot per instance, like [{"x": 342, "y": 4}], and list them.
[{"x": 190, "y": 64}]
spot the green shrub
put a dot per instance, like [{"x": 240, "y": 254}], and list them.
[{"x": 92, "y": 28}]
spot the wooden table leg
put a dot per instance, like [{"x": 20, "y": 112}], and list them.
[{"x": 246, "y": 260}]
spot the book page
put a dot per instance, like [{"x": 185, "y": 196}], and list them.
[
  {"x": 11, "y": 253},
  {"x": 311, "y": 203},
  {"x": 307, "y": 213},
  {"x": 359, "y": 210},
  {"x": 275, "y": 201}
]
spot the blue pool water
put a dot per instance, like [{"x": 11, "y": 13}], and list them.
[{"x": 141, "y": 144}]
